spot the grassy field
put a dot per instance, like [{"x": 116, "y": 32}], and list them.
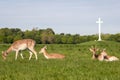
[{"x": 77, "y": 65}]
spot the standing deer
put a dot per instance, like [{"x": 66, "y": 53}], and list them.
[
  {"x": 94, "y": 50},
  {"x": 107, "y": 57},
  {"x": 20, "y": 45},
  {"x": 51, "y": 56}
]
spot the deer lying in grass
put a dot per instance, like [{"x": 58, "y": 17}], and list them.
[
  {"x": 94, "y": 50},
  {"x": 102, "y": 56},
  {"x": 52, "y": 55},
  {"x": 20, "y": 45},
  {"x": 107, "y": 57}
]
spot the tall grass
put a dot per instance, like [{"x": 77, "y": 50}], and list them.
[{"x": 77, "y": 65}]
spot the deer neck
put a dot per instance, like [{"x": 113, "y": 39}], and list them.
[
  {"x": 4, "y": 54},
  {"x": 9, "y": 50},
  {"x": 100, "y": 57},
  {"x": 45, "y": 53},
  {"x": 94, "y": 55}
]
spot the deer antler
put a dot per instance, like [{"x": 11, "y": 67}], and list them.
[{"x": 94, "y": 48}]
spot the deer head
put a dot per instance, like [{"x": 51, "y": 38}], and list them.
[
  {"x": 43, "y": 49},
  {"x": 4, "y": 55},
  {"x": 94, "y": 49},
  {"x": 104, "y": 53}
]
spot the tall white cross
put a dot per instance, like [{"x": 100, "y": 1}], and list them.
[{"x": 99, "y": 24}]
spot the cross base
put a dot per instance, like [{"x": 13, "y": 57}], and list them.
[{"x": 99, "y": 40}]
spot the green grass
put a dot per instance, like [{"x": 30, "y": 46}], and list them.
[{"x": 77, "y": 65}]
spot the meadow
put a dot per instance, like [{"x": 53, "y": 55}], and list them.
[{"x": 77, "y": 64}]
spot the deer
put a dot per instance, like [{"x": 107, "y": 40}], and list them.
[
  {"x": 100, "y": 57},
  {"x": 20, "y": 45},
  {"x": 107, "y": 57},
  {"x": 51, "y": 55}
]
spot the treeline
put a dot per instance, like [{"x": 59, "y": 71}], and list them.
[{"x": 48, "y": 36}]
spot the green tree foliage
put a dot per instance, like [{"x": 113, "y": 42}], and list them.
[
  {"x": 115, "y": 37},
  {"x": 48, "y": 36},
  {"x": 8, "y": 35},
  {"x": 57, "y": 39},
  {"x": 76, "y": 38}
]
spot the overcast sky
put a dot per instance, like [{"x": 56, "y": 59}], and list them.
[{"x": 63, "y": 16}]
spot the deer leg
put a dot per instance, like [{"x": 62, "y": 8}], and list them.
[
  {"x": 33, "y": 51},
  {"x": 16, "y": 55},
  {"x": 30, "y": 55},
  {"x": 21, "y": 55}
]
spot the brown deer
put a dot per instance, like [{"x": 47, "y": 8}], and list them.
[
  {"x": 52, "y": 55},
  {"x": 107, "y": 57},
  {"x": 20, "y": 45},
  {"x": 94, "y": 50}
]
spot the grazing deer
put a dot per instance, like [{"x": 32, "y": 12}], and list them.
[
  {"x": 20, "y": 45},
  {"x": 107, "y": 57},
  {"x": 100, "y": 57},
  {"x": 51, "y": 56}
]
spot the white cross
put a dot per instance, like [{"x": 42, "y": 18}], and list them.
[{"x": 99, "y": 24}]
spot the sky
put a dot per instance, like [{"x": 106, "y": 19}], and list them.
[{"x": 63, "y": 16}]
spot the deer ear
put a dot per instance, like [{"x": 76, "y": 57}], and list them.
[
  {"x": 104, "y": 49},
  {"x": 90, "y": 49},
  {"x": 2, "y": 52},
  {"x": 45, "y": 47},
  {"x": 97, "y": 49}
]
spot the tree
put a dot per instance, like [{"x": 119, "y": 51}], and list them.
[
  {"x": 76, "y": 38},
  {"x": 117, "y": 37},
  {"x": 47, "y": 36},
  {"x": 29, "y": 34},
  {"x": 58, "y": 39}
]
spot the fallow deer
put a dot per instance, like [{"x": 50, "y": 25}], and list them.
[
  {"x": 52, "y": 55},
  {"x": 94, "y": 50},
  {"x": 20, "y": 45},
  {"x": 107, "y": 57}
]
